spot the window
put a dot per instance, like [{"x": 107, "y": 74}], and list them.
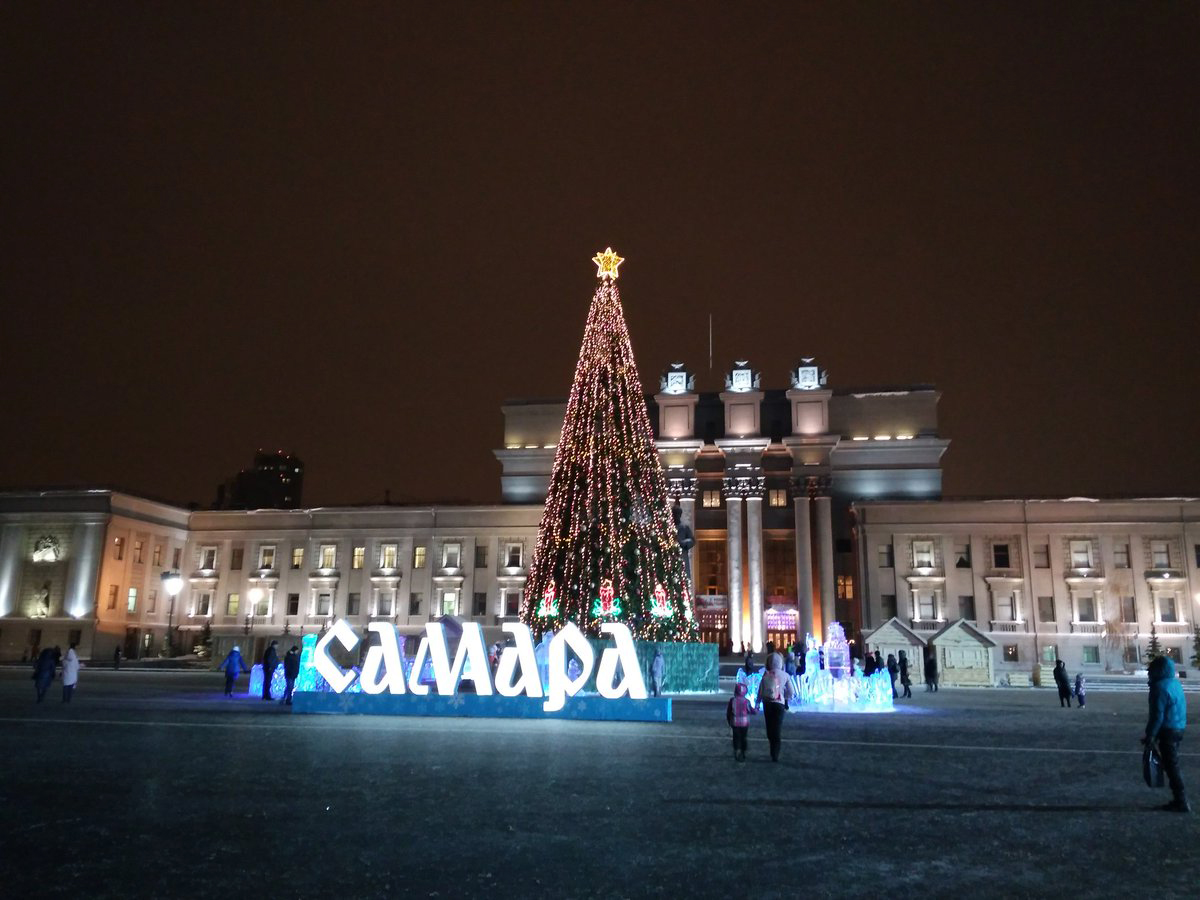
[
  {"x": 1173, "y": 654},
  {"x": 414, "y": 602},
  {"x": 324, "y": 604},
  {"x": 232, "y": 603},
  {"x": 1160, "y": 555},
  {"x": 1045, "y": 609},
  {"x": 449, "y": 603},
  {"x": 1091, "y": 653},
  {"x": 353, "y": 602},
  {"x": 1041, "y": 556},
  {"x": 1121, "y": 555},
  {"x": 777, "y": 497},
  {"x": 451, "y": 556},
  {"x": 513, "y": 555},
  {"x": 75, "y": 636},
  {"x": 1000, "y": 558},
  {"x": 131, "y": 601},
  {"x": 328, "y": 556},
  {"x": 263, "y": 606},
  {"x": 112, "y": 596},
  {"x": 888, "y": 602},
  {"x": 1166, "y": 608},
  {"x": 204, "y": 605},
  {"x": 710, "y": 499},
  {"x": 266, "y": 558},
  {"x": 137, "y": 552},
  {"x": 1196, "y": 547},
  {"x": 1130, "y": 656},
  {"x": 235, "y": 560},
  {"x": 926, "y": 609},
  {"x": 1081, "y": 554},
  {"x": 966, "y": 607},
  {"x": 481, "y": 556},
  {"x": 845, "y": 587},
  {"x": 152, "y": 602},
  {"x": 1086, "y": 608},
  {"x": 1004, "y": 608},
  {"x": 1128, "y": 609},
  {"x": 479, "y": 605},
  {"x": 512, "y": 603},
  {"x": 1011, "y": 654},
  {"x": 383, "y": 604},
  {"x": 922, "y": 554},
  {"x": 962, "y": 555},
  {"x": 887, "y": 556},
  {"x": 208, "y": 557},
  {"x": 297, "y": 557},
  {"x": 418, "y": 557},
  {"x": 389, "y": 555},
  {"x": 156, "y": 559},
  {"x": 119, "y": 548},
  {"x": 357, "y": 557},
  {"x": 176, "y": 557},
  {"x": 1049, "y": 653},
  {"x": 293, "y": 605}
]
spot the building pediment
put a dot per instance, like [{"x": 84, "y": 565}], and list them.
[
  {"x": 960, "y": 631},
  {"x": 894, "y": 631}
]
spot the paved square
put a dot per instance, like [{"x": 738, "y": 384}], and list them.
[{"x": 154, "y": 785}]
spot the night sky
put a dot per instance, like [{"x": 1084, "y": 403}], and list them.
[{"x": 353, "y": 230}]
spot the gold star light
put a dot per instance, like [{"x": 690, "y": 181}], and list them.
[{"x": 606, "y": 264}]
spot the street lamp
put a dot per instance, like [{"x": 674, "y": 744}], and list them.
[
  {"x": 172, "y": 583},
  {"x": 255, "y": 595}
]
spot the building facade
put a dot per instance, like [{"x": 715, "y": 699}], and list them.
[{"x": 1080, "y": 580}]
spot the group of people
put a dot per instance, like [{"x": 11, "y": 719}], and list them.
[
  {"x": 1065, "y": 691},
  {"x": 46, "y": 665},
  {"x": 233, "y": 665}
]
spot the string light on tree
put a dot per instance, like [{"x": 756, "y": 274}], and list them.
[{"x": 606, "y": 548}]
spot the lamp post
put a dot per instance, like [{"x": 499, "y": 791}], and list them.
[
  {"x": 172, "y": 583},
  {"x": 255, "y": 595}
]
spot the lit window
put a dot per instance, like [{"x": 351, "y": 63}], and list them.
[
  {"x": 232, "y": 603},
  {"x": 710, "y": 499},
  {"x": 451, "y": 556},
  {"x": 119, "y": 548},
  {"x": 328, "y": 556},
  {"x": 356, "y": 560},
  {"x": 137, "y": 552},
  {"x": 450, "y": 603},
  {"x": 297, "y": 557},
  {"x": 1011, "y": 654},
  {"x": 418, "y": 557},
  {"x": 777, "y": 497},
  {"x": 266, "y": 558},
  {"x": 388, "y": 556},
  {"x": 1160, "y": 555},
  {"x": 131, "y": 603},
  {"x": 845, "y": 587},
  {"x": 922, "y": 554},
  {"x": 1081, "y": 555}
]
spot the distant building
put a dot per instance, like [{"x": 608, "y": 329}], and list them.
[{"x": 276, "y": 481}]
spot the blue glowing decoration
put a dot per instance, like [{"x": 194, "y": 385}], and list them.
[{"x": 278, "y": 682}]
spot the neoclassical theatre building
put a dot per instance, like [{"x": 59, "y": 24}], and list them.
[{"x": 808, "y": 503}]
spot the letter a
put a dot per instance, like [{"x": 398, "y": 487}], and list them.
[
  {"x": 387, "y": 655},
  {"x": 625, "y": 653}
]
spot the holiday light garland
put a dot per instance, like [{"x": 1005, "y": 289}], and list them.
[{"x": 606, "y": 549}]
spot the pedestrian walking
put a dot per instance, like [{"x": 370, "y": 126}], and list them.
[
  {"x": 1064, "y": 684},
  {"x": 234, "y": 665},
  {"x": 1165, "y": 725},
  {"x": 291, "y": 669},
  {"x": 774, "y": 694},
  {"x": 893, "y": 670},
  {"x": 117, "y": 658},
  {"x": 270, "y": 662},
  {"x": 737, "y": 713},
  {"x": 931, "y": 672},
  {"x": 657, "y": 669},
  {"x": 70, "y": 672},
  {"x": 1080, "y": 690},
  {"x": 43, "y": 672},
  {"x": 905, "y": 679}
]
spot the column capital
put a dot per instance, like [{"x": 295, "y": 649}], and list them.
[
  {"x": 738, "y": 487},
  {"x": 681, "y": 487}
]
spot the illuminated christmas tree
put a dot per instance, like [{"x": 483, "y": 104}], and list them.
[{"x": 606, "y": 549}]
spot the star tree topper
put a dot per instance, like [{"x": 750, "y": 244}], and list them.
[{"x": 606, "y": 264}]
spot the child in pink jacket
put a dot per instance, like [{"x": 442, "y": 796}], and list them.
[{"x": 737, "y": 713}]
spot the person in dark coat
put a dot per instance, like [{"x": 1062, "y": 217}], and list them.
[
  {"x": 1165, "y": 725},
  {"x": 905, "y": 679},
  {"x": 868, "y": 665},
  {"x": 43, "y": 672},
  {"x": 117, "y": 658},
  {"x": 893, "y": 670},
  {"x": 291, "y": 669},
  {"x": 749, "y": 662},
  {"x": 931, "y": 672},
  {"x": 270, "y": 662},
  {"x": 1064, "y": 684},
  {"x": 234, "y": 665}
]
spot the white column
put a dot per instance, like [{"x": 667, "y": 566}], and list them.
[
  {"x": 689, "y": 519},
  {"x": 733, "y": 537},
  {"x": 754, "y": 562},
  {"x": 915, "y": 602},
  {"x": 939, "y": 603},
  {"x": 83, "y": 569},
  {"x": 825, "y": 548},
  {"x": 804, "y": 597},
  {"x": 10, "y": 566}
]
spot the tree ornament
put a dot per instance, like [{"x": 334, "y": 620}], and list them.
[
  {"x": 607, "y": 605},
  {"x": 548, "y": 609},
  {"x": 660, "y": 608}
]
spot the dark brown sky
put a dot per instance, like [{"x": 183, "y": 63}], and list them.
[{"x": 353, "y": 230}]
